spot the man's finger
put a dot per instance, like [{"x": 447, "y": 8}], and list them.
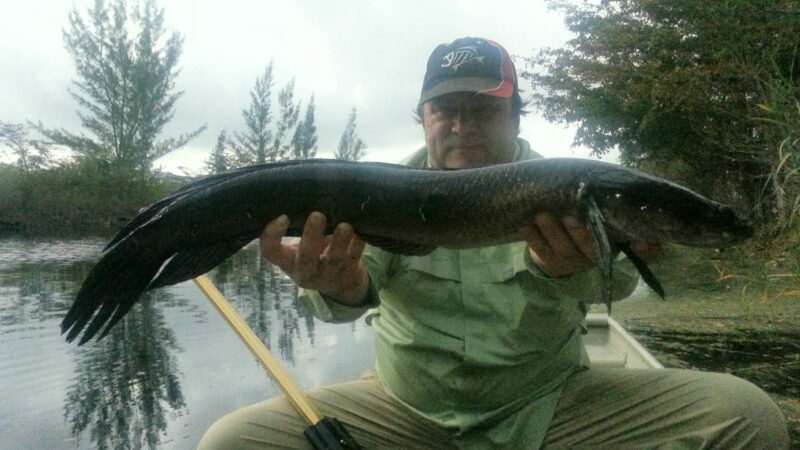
[
  {"x": 556, "y": 236},
  {"x": 270, "y": 243},
  {"x": 581, "y": 238},
  {"x": 356, "y": 248},
  {"x": 336, "y": 252},
  {"x": 536, "y": 242},
  {"x": 311, "y": 245}
]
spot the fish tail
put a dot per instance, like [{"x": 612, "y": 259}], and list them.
[{"x": 110, "y": 290}]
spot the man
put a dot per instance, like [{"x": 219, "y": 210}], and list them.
[{"x": 481, "y": 348}]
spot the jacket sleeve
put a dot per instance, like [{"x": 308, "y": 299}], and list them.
[{"x": 327, "y": 309}]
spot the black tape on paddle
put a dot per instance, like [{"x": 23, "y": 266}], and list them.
[{"x": 330, "y": 434}]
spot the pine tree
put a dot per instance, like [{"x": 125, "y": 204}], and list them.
[
  {"x": 252, "y": 146},
  {"x": 261, "y": 143},
  {"x": 287, "y": 120},
  {"x": 304, "y": 141},
  {"x": 125, "y": 85},
  {"x": 351, "y": 147},
  {"x": 219, "y": 160}
]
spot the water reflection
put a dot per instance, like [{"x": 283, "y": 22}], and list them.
[
  {"x": 163, "y": 374},
  {"x": 261, "y": 293},
  {"x": 127, "y": 384},
  {"x": 34, "y": 283}
]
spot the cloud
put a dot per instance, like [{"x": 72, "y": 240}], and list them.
[{"x": 367, "y": 54}]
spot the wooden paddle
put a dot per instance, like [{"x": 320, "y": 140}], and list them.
[{"x": 322, "y": 432}]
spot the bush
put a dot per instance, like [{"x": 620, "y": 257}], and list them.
[{"x": 73, "y": 200}]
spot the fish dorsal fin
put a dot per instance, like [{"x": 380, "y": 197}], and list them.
[
  {"x": 193, "y": 262},
  {"x": 207, "y": 182},
  {"x": 157, "y": 208},
  {"x": 397, "y": 246}
]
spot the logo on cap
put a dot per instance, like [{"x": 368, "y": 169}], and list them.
[{"x": 461, "y": 55}]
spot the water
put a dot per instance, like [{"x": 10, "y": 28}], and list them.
[{"x": 165, "y": 373}]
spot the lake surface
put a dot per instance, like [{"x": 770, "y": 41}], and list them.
[{"x": 164, "y": 374}]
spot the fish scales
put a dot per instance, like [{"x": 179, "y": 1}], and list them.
[{"x": 400, "y": 209}]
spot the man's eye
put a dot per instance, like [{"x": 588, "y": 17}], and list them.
[
  {"x": 484, "y": 111},
  {"x": 443, "y": 111},
  {"x": 489, "y": 108}
]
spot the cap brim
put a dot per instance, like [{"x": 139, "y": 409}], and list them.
[{"x": 470, "y": 84}]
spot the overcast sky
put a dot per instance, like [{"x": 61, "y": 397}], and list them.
[{"x": 367, "y": 54}]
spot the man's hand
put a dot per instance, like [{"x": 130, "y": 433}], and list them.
[
  {"x": 330, "y": 264},
  {"x": 561, "y": 246}
]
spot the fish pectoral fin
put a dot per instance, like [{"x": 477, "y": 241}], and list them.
[
  {"x": 193, "y": 262},
  {"x": 397, "y": 246},
  {"x": 645, "y": 272},
  {"x": 602, "y": 247}
]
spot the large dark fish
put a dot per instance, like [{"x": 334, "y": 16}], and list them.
[{"x": 400, "y": 209}]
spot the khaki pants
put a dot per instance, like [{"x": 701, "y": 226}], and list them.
[{"x": 599, "y": 408}]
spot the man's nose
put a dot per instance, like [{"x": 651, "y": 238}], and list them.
[{"x": 463, "y": 123}]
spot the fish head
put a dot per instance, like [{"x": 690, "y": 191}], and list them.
[{"x": 655, "y": 210}]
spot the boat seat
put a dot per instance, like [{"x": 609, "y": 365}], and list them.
[
  {"x": 608, "y": 345},
  {"x": 603, "y": 357}
]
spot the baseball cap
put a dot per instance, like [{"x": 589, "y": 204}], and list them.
[{"x": 469, "y": 64}]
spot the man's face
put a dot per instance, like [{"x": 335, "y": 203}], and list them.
[{"x": 465, "y": 130}]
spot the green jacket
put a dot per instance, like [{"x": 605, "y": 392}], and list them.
[{"x": 470, "y": 338}]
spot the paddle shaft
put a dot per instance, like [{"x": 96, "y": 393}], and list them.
[{"x": 260, "y": 351}]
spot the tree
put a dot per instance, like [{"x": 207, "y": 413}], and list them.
[
  {"x": 674, "y": 85},
  {"x": 125, "y": 85},
  {"x": 304, "y": 141},
  {"x": 260, "y": 144},
  {"x": 251, "y": 147},
  {"x": 351, "y": 147},
  {"x": 31, "y": 154},
  {"x": 287, "y": 120},
  {"x": 219, "y": 160}
]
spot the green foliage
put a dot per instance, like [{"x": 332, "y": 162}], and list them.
[
  {"x": 779, "y": 123},
  {"x": 351, "y": 147},
  {"x": 125, "y": 86},
  {"x": 86, "y": 198},
  {"x": 674, "y": 84},
  {"x": 304, "y": 141},
  {"x": 31, "y": 154}
]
